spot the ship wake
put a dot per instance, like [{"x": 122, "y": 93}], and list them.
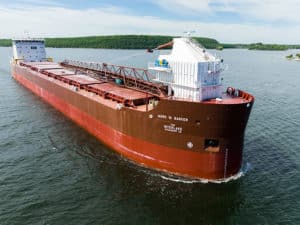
[{"x": 245, "y": 169}]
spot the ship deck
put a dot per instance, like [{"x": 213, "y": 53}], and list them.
[
  {"x": 227, "y": 99},
  {"x": 108, "y": 92}
]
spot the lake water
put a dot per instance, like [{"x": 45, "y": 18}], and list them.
[{"x": 53, "y": 172}]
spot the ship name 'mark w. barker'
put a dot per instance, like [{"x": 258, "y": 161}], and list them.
[{"x": 176, "y": 119}]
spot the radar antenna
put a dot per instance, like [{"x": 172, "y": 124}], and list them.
[{"x": 188, "y": 33}]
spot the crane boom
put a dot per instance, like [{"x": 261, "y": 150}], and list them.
[{"x": 169, "y": 44}]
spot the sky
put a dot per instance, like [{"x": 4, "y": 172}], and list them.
[{"x": 228, "y": 21}]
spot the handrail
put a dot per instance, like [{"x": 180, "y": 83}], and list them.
[{"x": 134, "y": 78}]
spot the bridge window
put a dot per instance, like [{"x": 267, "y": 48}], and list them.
[{"x": 33, "y": 47}]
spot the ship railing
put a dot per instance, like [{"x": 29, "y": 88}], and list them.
[
  {"x": 245, "y": 95},
  {"x": 239, "y": 93},
  {"x": 134, "y": 78}
]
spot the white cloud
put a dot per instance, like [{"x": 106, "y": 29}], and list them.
[
  {"x": 21, "y": 3},
  {"x": 59, "y": 21},
  {"x": 267, "y": 10},
  {"x": 185, "y": 6},
  {"x": 275, "y": 10}
]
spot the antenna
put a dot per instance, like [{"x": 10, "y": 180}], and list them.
[
  {"x": 188, "y": 33},
  {"x": 26, "y": 34}
]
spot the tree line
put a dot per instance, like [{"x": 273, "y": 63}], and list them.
[
  {"x": 143, "y": 42},
  {"x": 115, "y": 42}
]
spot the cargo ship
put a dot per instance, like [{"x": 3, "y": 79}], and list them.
[{"x": 173, "y": 117}]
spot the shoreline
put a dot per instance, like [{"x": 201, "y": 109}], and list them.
[{"x": 136, "y": 42}]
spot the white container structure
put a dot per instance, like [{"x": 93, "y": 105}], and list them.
[
  {"x": 190, "y": 72},
  {"x": 29, "y": 50}
]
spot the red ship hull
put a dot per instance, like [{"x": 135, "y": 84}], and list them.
[{"x": 163, "y": 152}]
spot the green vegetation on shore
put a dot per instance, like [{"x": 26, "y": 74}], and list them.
[
  {"x": 115, "y": 42},
  {"x": 234, "y": 45},
  {"x": 143, "y": 42},
  {"x": 5, "y": 42},
  {"x": 261, "y": 46},
  {"x": 292, "y": 57},
  {"x": 120, "y": 42}
]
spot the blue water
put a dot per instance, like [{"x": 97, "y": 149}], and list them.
[{"x": 53, "y": 172}]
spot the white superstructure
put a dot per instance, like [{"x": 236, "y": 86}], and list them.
[
  {"x": 29, "y": 50},
  {"x": 190, "y": 71}
]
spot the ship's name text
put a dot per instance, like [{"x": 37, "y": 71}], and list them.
[{"x": 177, "y": 118}]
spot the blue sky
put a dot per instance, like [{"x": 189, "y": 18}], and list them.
[{"x": 243, "y": 21}]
